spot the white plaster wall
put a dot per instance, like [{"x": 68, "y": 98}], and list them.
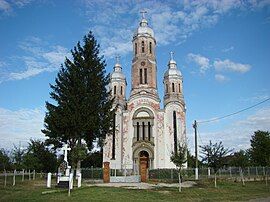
[{"x": 169, "y": 137}]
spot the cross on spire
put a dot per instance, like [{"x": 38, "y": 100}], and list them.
[
  {"x": 117, "y": 59},
  {"x": 171, "y": 53},
  {"x": 143, "y": 12}
]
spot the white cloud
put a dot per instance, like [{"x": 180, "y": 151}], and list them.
[
  {"x": 20, "y": 125},
  {"x": 231, "y": 48},
  {"x": 7, "y": 7},
  {"x": 2, "y": 63},
  {"x": 227, "y": 65},
  {"x": 200, "y": 60},
  {"x": 171, "y": 21},
  {"x": 39, "y": 57},
  {"x": 4, "y": 6},
  {"x": 221, "y": 78},
  {"x": 236, "y": 135}
]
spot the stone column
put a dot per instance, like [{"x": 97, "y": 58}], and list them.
[
  {"x": 143, "y": 169},
  {"x": 141, "y": 131},
  {"x": 106, "y": 172}
]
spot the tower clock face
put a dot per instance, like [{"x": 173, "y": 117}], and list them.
[{"x": 142, "y": 63}]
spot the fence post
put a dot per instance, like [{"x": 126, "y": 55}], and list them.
[
  {"x": 5, "y": 183},
  {"x": 256, "y": 172},
  {"x": 79, "y": 180},
  {"x": 22, "y": 175},
  {"x": 106, "y": 172},
  {"x": 49, "y": 180},
  {"x": 248, "y": 173},
  {"x": 92, "y": 173},
  {"x": 34, "y": 174},
  {"x": 196, "y": 173},
  {"x": 208, "y": 172},
  {"x": 14, "y": 178},
  {"x": 29, "y": 175}
]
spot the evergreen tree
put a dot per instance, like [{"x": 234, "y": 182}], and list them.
[
  {"x": 82, "y": 105},
  {"x": 260, "y": 148}
]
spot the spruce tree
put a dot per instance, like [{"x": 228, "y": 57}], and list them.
[{"x": 81, "y": 107}]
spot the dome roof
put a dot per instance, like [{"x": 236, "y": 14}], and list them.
[
  {"x": 117, "y": 73},
  {"x": 143, "y": 29},
  {"x": 172, "y": 70}
]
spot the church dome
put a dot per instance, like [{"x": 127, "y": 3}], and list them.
[
  {"x": 143, "y": 29},
  {"x": 117, "y": 73},
  {"x": 172, "y": 70}
]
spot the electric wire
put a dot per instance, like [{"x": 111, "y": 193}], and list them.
[{"x": 234, "y": 113}]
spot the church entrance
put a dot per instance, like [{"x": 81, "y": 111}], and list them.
[
  {"x": 144, "y": 156},
  {"x": 144, "y": 165}
]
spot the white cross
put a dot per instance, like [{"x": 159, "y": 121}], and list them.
[
  {"x": 171, "y": 53},
  {"x": 66, "y": 149},
  {"x": 143, "y": 14}
]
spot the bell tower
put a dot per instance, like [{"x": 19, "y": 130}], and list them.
[{"x": 144, "y": 70}]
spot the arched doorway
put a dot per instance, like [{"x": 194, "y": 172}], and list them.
[{"x": 144, "y": 156}]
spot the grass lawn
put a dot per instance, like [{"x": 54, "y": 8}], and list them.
[{"x": 204, "y": 191}]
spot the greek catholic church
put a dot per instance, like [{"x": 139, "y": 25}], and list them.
[{"x": 141, "y": 127}]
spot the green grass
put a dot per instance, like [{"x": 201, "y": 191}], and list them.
[{"x": 204, "y": 191}]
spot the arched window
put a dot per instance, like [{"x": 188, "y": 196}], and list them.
[
  {"x": 121, "y": 90},
  {"x": 142, "y": 46},
  {"x": 175, "y": 131},
  {"x": 150, "y": 47},
  {"x": 135, "y": 48},
  {"x": 141, "y": 76},
  {"x": 114, "y": 90},
  {"x": 166, "y": 88},
  {"x": 138, "y": 131},
  {"x": 143, "y": 131},
  {"x": 113, "y": 138},
  {"x": 145, "y": 75},
  {"x": 179, "y": 88},
  {"x": 173, "y": 90}
]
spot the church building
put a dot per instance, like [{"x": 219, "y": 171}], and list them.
[{"x": 141, "y": 127}]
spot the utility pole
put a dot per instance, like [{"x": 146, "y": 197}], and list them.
[{"x": 196, "y": 151}]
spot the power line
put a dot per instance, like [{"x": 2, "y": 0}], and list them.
[{"x": 237, "y": 112}]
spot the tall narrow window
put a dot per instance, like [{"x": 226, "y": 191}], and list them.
[
  {"x": 138, "y": 131},
  {"x": 114, "y": 90},
  {"x": 135, "y": 48},
  {"x": 175, "y": 131},
  {"x": 141, "y": 77},
  {"x": 179, "y": 87},
  {"x": 121, "y": 90},
  {"x": 145, "y": 75},
  {"x": 150, "y": 47},
  {"x": 113, "y": 138},
  {"x": 149, "y": 131},
  {"x": 166, "y": 88},
  {"x": 142, "y": 46},
  {"x": 143, "y": 131},
  {"x": 173, "y": 87}
]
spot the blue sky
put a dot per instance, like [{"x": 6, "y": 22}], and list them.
[{"x": 221, "y": 47}]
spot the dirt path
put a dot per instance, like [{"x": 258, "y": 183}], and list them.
[{"x": 143, "y": 185}]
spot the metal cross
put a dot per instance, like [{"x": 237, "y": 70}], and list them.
[
  {"x": 117, "y": 58},
  {"x": 143, "y": 14},
  {"x": 171, "y": 53},
  {"x": 65, "y": 149}
]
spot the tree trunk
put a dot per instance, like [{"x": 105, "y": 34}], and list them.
[
  {"x": 215, "y": 180},
  {"x": 179, "y": 178}
]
